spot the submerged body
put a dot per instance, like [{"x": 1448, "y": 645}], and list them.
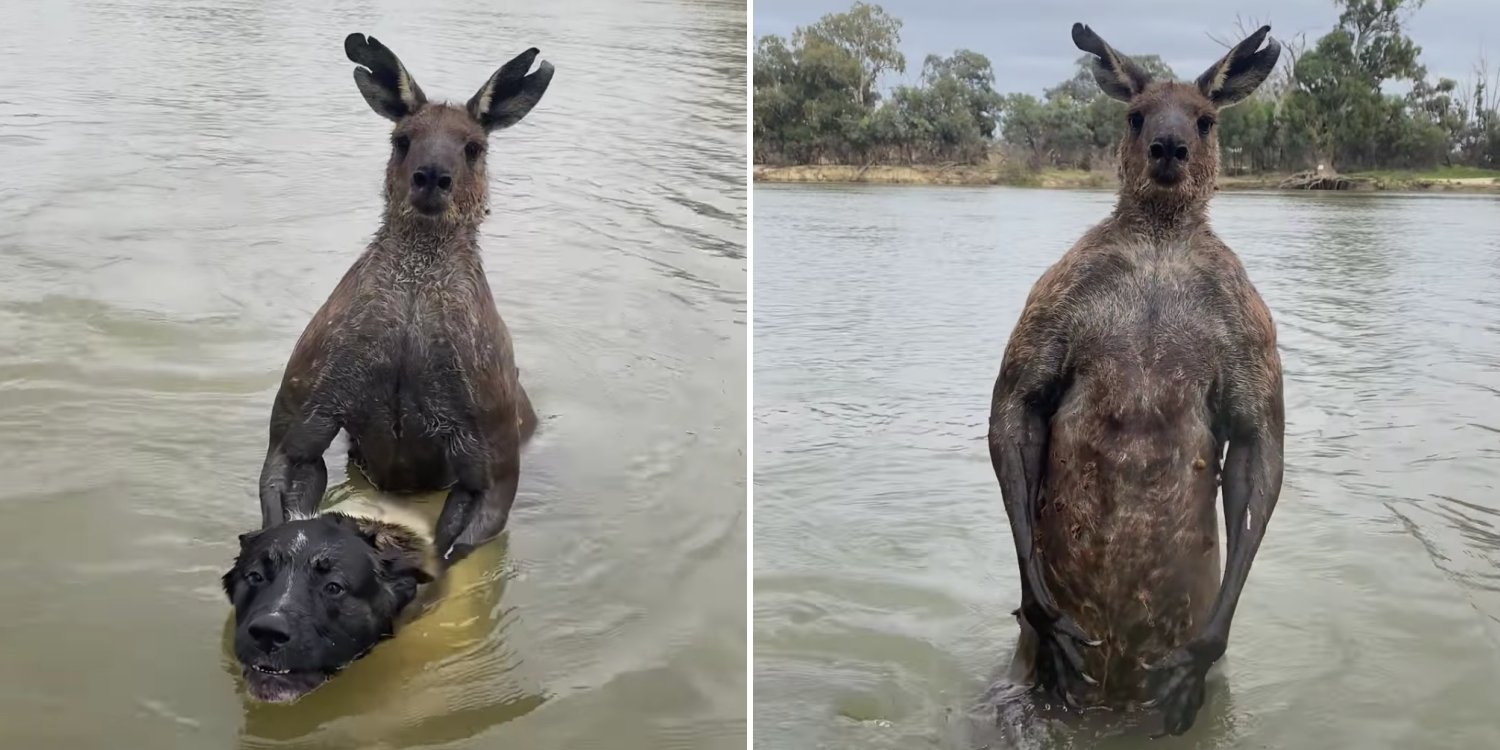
[
  {"x": 1142, "y": 375},
  {"x": 408, "y": 355},
  {"x": 1127, "y": 529}
]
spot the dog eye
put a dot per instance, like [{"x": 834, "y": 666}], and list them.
[
  {"x": 255, "y": 578},
  {"x": 333, "y": 588},
  {"x": 473, "y": 150}
]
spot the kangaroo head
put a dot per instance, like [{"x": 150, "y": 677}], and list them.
[
  {"x": 436, "y": 171},
  {"x": 1170, "y": 148}
]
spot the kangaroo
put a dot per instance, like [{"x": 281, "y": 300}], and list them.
[
  {"x": 408, "y": 355},
  {"x": 1138, "y": 357}
]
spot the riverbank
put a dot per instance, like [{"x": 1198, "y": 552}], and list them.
[{"x": 1458, "y": 179}]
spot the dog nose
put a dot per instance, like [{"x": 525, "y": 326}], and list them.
[
  {"x": 270, "y": 631},
  {"x": 431, "y": 177},
  {"x": 1168, "y": 145}
]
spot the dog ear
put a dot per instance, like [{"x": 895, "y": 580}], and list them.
[
  {"x": 230, "y": 578},
  {"x": 402, "y": 570},
  {"x": 399, "y": 552},
  {"x": 406, "y": 563}
]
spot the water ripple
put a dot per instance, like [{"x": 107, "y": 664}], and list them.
[
  {"x": 186, "y": 181},
  {"x": 884, "y": 567}
]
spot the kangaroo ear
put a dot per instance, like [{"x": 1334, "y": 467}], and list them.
[
  {"x": 1237, "y": 74},
  {"x": 510, "y": 93},
  {"x": 383, "y": 80},
  {"x": 1117, "y": 75}
]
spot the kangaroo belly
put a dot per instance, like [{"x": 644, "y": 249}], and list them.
[
  {"x": 1128, "y": 534},
  {"x": 401, "y": 462},
  {"x": 417, "y": 405}
]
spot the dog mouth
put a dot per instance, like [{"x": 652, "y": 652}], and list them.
[{"x": 274, "y": 685}]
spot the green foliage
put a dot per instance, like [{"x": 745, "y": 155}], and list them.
[
  {"x": 1338, "y": 103},
  {"x": 1074, "y": 125},
  {"x": 817, "y": 100},
  {"x": 865, "y": 37}
]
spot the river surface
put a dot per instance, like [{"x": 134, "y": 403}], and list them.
[
  {"x": 884, "y": 569},
  {"x": 183, "y": 185}
]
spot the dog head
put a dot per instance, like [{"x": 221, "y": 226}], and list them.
[{"x": 312, "y": 596}]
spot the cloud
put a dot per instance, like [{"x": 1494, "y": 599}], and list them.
[{"x": 1029, "y": 45}]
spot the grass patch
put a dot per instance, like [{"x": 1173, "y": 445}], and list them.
[
  {"x": 1075, "y": 178},
  {"x": 1446, "y": 179},
  {"x": 1441, "y": 173}
]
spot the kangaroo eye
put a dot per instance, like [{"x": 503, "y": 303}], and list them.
[
  {"x": 473, "y": 150},
  {"x": 1137, "y": 121},
  {"x": 1205, "y": 124},
  {"x": 401, "y": 142}
]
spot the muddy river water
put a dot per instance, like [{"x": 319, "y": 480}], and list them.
[
  {"x": 184, "y": 183},
  {"x": 884, "y": 571}
]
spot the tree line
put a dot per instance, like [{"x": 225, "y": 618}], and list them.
[{"x": 1330, "y": 103}]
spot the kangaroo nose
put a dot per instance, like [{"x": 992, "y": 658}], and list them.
[
  {"x": 429, "y": 177},
  {"x": 1168, "y": 145},
  {"x": 270, "y": 631}
]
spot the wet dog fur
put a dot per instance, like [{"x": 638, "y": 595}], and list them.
[{"x": 311, "y": 596}]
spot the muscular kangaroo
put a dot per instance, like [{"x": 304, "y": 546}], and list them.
[
  {"x": 408, "y": 355},
  {"x": 1139, "y": 356}
]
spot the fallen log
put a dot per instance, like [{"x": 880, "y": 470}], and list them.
[{"x": 1325, "y": 181}]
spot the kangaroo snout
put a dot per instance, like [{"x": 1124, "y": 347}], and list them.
[
  {"x": 431, "y": 178},
  {"x": 431, "y": 188},
  {"x": 1168, "y": 146}
]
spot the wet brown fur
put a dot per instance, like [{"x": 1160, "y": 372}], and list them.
[
  {"x": 1154, "y": 206},
  {"x": 404, "y": 546},
  {"x": 1138, "y": 356},
  {"x": 408, "y": 355},
  {"x": 416, "y": 313}
]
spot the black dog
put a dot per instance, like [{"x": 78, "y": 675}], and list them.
[{"x": 313, "y": 595}]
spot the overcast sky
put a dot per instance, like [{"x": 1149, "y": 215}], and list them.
[{"x": 1029, "y": 44}]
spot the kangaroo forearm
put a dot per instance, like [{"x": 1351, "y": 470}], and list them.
[
  {"x": 291, "y": 488},
  {"x": 1018, "y": 449},
  {"x": 1252, "y": 485}
]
